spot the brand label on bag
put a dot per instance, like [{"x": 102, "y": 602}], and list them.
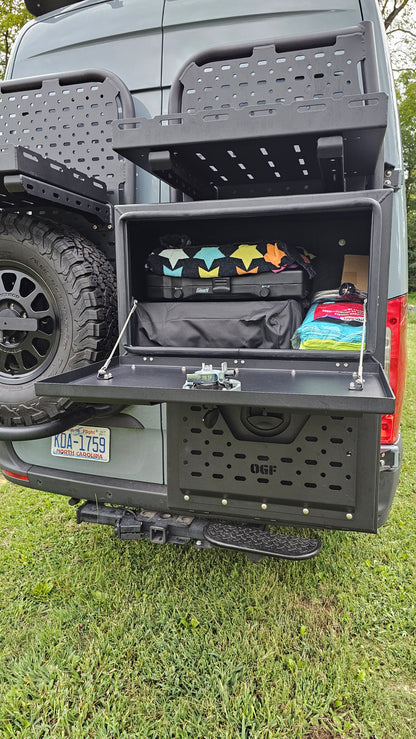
[{"x": 351, "y": 313}]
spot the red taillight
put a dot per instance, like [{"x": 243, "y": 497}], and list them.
[
  {"x": 15, "y": 476},
  {"x": 396, "y": 327}
]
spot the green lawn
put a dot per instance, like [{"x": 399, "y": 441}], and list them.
[{"x": 100, "y": 638}]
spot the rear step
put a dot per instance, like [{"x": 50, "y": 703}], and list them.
[
  {"x": 255, "y": 541},
  {"x": 164, "y": 528}
]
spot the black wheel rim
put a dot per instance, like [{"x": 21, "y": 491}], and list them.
[{"x": 25, "y": 354}]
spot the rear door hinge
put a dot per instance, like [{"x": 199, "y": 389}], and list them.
[{"x": 393, "y": 178}]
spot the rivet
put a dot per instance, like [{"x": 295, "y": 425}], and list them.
[
  {"x": 264, "y": 506},
  {"x": 349, "y": 516},
  {"x": 224, "y": 501},
  {"x": 305, "y": 511},
  {"x": 342, "y": 242},
  {"x": 186, "y": 497}
]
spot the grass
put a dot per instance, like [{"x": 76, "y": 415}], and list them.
[{"x": 101, "y": 638}]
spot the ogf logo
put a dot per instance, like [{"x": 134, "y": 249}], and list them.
[{"x": 263, "y": 469}]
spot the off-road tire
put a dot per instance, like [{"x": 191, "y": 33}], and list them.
[{"x": 75, "y": 305}]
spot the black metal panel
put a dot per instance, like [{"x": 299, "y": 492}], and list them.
[
  {"x": 325, "y": 473},
  {"x": 252, "y": 151},
  {"x": 20, "y": 160},
  {"x": 68, "y": 118},
  {"x": 29, "y": 179},
  {"x": 249, "y": 121},
  {"x": 279, "y": 383},
  {"x": 322, "y": 65}
]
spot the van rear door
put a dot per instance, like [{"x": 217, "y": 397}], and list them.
[{"x": 125, "y": 38}]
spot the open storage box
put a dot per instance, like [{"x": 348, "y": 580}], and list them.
[
  {"x": 328, "y": 226},
  {"x": 309, "y": 393}
]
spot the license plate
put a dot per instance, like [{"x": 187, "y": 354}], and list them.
[{"x": 83, "y": 442}]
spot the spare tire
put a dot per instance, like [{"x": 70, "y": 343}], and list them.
[{"x": 58, "y": 312}]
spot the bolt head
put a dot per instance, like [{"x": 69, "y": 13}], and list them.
[
  {"x": 305, "y": 511},
  {"x": 349, "y": 516},
  {"x": 264, "y": 506},
  {"x": 186, "y": 497},
  {"x": 224, "y": 501}
]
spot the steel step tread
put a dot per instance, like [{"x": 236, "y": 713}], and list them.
[{"x": 257, "y": 541}]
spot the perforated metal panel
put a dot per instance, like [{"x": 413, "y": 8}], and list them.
[
  {"x": 273, "y": 73},
  {"x": 262, "y": 120},
  {"x": 69, "y": 119},
  {"x": 318, "y": 467},
  {"x": 319, "y": 464}
]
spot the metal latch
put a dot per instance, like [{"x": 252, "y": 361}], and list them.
[{"x": 208, "y": 378}]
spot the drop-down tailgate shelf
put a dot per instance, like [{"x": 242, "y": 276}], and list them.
[{"x": 295, "y": 383}]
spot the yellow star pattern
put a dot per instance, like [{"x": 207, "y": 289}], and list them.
[
  {"x": 208, "y": 273},
  {"x": 247, "y": 252}
]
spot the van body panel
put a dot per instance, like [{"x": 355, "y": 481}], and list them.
[
  {"x": 147, "y": 465},
  {"x": 86, "y": 38}
]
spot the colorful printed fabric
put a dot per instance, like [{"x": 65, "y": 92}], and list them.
[
  {"x": 331, "y": 326},
  {"x": 177, "y": 257}
]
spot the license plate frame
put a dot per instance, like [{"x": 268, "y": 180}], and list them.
[{"x": 82, "y": 443}]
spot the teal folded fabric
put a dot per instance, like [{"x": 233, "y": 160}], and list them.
[{"x": 331, "y": 326}]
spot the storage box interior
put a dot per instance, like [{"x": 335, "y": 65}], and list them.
[{"x": 328, "y": 236}]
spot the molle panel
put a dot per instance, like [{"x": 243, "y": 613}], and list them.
[
  {"x": 68, "y": 118},
  {"x": 318, "y": 466}
]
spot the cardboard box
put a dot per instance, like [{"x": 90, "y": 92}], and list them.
[{"x": 356, "y": 271}]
